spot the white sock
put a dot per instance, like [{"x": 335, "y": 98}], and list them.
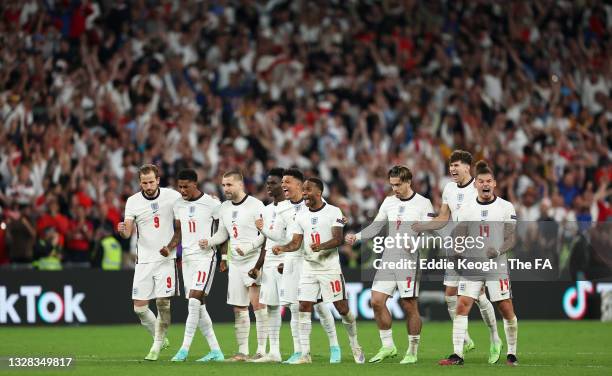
[
  {"x": 295, "y": 327},
  {"x": 147, "y": 318},
  {"x": 327, "y": 322},
  {"x": 351, "y": 328},
  {"x": 451, "y": 303},
  {"x": 305, "y": 329},
  {"x": 193, "y": 317},
  {"x": 162, "y": 323},
  {"x": 488, "y": 315},
  {"x": 460, "y": 325},
  {"x": 386, "y": 337},
  {"x": 242, "y": 327},
  {"x": 413, "y": 344},
  {"x": 274, "y": 324},
  {"x": 511, "y": 330},
  {"x": 261, "y": 324},
  {"x": 206, "y": 328}
]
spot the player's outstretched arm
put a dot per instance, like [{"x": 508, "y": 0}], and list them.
[
  {"x": 436, "y": 223},
  {"x": 292, "y": 246},
  {"x": 332, "y": 244}
]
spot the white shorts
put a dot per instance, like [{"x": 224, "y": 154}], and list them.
[
  {"x": 451, "y": 278},
  {"x": 198, "y": 273},
  {"x": 407, "y": 289},
  {"x": 499, "y": 289},
  {"x": 155, "y": 280},
  {"x": 270, "y": 285},
  {"x": 238, "y": 283},
  {"x": 330, "y": 287},
  {"x": 290, "y": 280}
]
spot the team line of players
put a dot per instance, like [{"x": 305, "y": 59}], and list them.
[{"x": 286, "y": 254}]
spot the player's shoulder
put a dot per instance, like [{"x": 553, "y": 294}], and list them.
[
  {"x": 136, "y": 197},
  {"x": 169, "y": 193},
  {"x": 209, "y": 200},
  {"x": 503, "y": 203},
  {"x": 449, "y": 187},
  {"x": 253, "y": 201},
  {"x": 420, "y": 198}
]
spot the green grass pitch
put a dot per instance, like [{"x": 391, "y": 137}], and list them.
[{"x": 545, "y": 348}]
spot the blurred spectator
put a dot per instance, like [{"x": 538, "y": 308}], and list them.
[
  {"x": 20, "y": 235},
  {"x": 90, "y": 90},
  {"x": 79, "y": 237}
]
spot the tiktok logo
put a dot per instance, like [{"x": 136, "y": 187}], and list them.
[{"x": 575, "y": 299}]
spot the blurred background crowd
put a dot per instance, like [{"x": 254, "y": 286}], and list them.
[{"x": 92, "y": 89}]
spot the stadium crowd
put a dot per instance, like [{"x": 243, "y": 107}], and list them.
[{"x": 90, "y": 90}]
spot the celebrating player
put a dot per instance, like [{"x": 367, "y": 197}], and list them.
[
  {"x": 455, "y": 194},
  {"x": 320, "y": 229},
  {"x": 399, "y": 210},
  {"x": 155, "y": 275},
  {"x": 195, "y": 217},
  {"x": 493, "y": 219},
  {"x": 270, "y": 277},
  {"x": 237, "y": 217},
  {"x": 291, "y": 265}
]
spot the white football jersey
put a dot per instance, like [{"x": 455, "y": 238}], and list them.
[
  {"x": 275, "y": 230},
  {"x": 400, "y": 214},
  {"x": 487, "y": 221},
  {"x": 154, "y": 223},
  {"x": 238, "y": 222},
  {"x": 316, "y": 226},
  {"x": 455, "y": 196},
  {"x": 196, "y": 217},
  {"x": 290, "y": 211}
]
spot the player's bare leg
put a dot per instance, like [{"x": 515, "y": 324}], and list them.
[
  {"x": 261, "y": 322},
  {"x": 413, "y": 324},
  {"x": 460, "y": 325},
  {"x": 198, "y": 317},
  {"x": 161, "y": 327},
  {"x": 451, "y": 303},
  {"x": 329, "y": 325},
  {"x": 510, "y": 328},
  {"x": 383, "y": 321},
  {"x": 350, "y": 323}
]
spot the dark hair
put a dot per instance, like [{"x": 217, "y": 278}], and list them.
[
  {"x": 234, "y": 173},
  {"x": 316, "y": 181},
  {"x": 187, "y": 174},
  {"x": 461, "y": 156},
  {"x": 401, "y": 172},
  {"x": 482, "y": 168},
  {"x": 277, "y": 171},
  {"x": 147, "y": 169},
  {"x": 295, "y": 173}
]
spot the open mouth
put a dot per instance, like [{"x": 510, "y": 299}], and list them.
[{"x": 486, "y": 190}]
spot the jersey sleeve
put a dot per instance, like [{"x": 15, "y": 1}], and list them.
[
  {"x": 428, "y": 212},
  {"x": 216, "y": 206},
  {"x": 510, "y": 215},
  {"x": 445, "y": 193},
  {"x": 130, "y": 211},
  {"x": 176, "y": 210},
  {"x": 338, "y": 220},
  {"x": 296, "y": 228}
]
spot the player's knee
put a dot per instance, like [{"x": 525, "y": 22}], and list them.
[
  {"x": 140, "y": 311},
  {"x": 342, "y": 307}
]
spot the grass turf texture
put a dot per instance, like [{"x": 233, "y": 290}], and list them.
[{"x": 545, "y": 348}]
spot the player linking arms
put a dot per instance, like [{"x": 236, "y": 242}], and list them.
[
  {"x": 237, "y": 217},
  {"x": 456, "y": 194},
  {"x": 195, "y": 217},
  {"x": 399, "y": 210},
  {"x": 155, "y": 275},
  {"x": 320, "y": 228},
  {"x": 493, "y": 219}
]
